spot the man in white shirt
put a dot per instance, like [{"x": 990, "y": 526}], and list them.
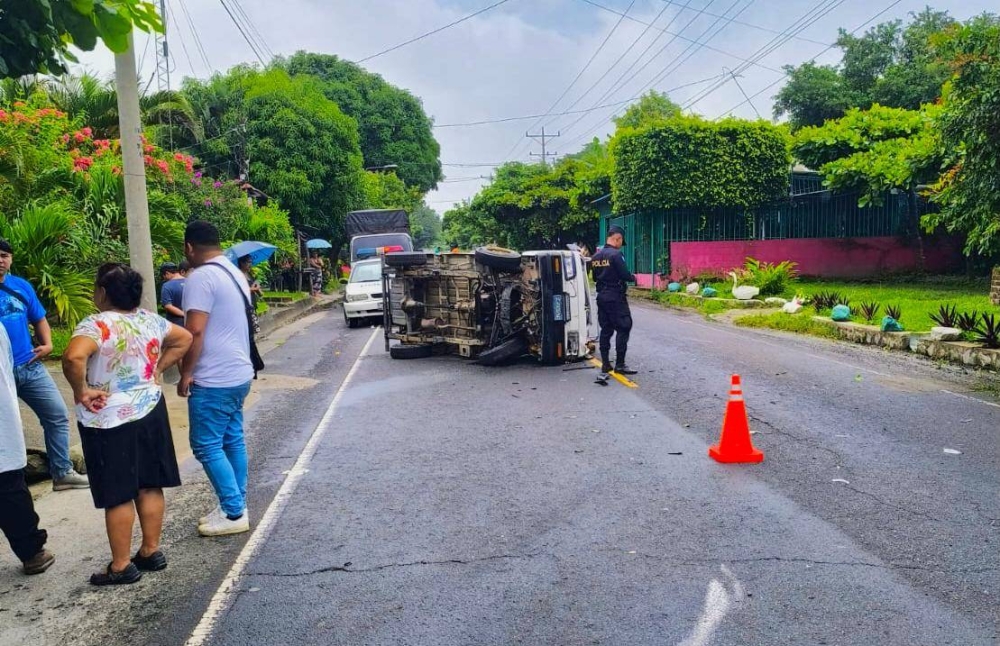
[
  {"x": 216, "y": 374},
  {"x": 18, "y": 519}
]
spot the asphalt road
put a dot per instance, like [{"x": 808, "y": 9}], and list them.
[
  {"x": 451, "y": 504},
  {"x": 438, "y": 502}
]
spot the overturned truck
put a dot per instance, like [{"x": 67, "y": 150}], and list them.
[{"x": 493, "y": 305}]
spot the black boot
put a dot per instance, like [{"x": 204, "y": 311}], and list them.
[{"x": 621, "y": 368}]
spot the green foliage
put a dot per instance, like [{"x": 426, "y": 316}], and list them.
[
  {"x": 650, "y": 108},
  {"x": 303, "y": 150},
  {"x": 874, "y": 150},
  {"x": 947, "y": 316},
  {"x": 772, "y": 279},
  {"x": 967, "y": 321},
  {"x": 689, "y": 162},
  {"x": 37, "y": 34},
  {"x": 394, "y": 129},
  {"x": 894, "y": 311},
  {"x": 889, "y": 64},
  {"x": 800, "y": 323},
  {"x": 870, "y": 310},
  {"x": 43, "y": 241},
  {"x": 530, "y": 206},
  {"x": 988, "y": 331},
  {"x": 388, "y": 191},
  {"x": 426, "y": 227},
  {"x": 968, "y": 193}
]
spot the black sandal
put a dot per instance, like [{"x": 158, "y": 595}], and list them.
[
  {"x": 153, "y": 563},
  {"x": 129, "y": 575}
]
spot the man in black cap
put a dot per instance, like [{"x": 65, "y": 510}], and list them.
[{"x": 613, "y": 314}]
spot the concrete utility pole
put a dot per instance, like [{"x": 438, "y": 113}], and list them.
[
  {"x": 542, "y": 138},
  {"x": 140, "y": 244}
]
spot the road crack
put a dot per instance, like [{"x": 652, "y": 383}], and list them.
[
  {"x": 377, "y": 568},
  {"x": 807, "y": 561}
]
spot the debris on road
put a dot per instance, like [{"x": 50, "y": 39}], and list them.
[
  {"x": 840, "y": 480},
  {"x": 953, "y": 452}
]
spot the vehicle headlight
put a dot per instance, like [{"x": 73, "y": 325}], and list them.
[{"x": 357, "y": 297}]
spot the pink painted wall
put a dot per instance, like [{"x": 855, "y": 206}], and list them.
[{"x": 828, "y": 257}]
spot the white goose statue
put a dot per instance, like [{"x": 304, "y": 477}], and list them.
[{"x": 744, "y": 293}]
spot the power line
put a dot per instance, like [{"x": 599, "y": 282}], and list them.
[
  {"x": 679, "y": 35},
  {"x": 243, "y": 33},
  {"x": 526, "y": 117},
  {"x": 828, "y": 48},
  {"x": 177, "y": 29},
  {"x": 258, "y": 37},
  {"x": 819, "y": 10},
  {"x": 751, "y": 25},
  {"x": 194, "y": 32},
  {"x": 432, "y": 32}
]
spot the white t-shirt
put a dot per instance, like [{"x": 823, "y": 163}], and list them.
[
  {"x": 12, "y": 453},
  {"x": 225, "y": 354}
]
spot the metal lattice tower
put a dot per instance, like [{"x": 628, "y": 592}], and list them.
[{"x": 162, "y": 53}]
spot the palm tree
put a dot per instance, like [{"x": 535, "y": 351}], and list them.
[
  {"x": 96, "y": 103},
  {"x": 19, "y": 89}
]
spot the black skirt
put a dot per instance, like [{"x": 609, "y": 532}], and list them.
[{"x": 124, "y": 459}]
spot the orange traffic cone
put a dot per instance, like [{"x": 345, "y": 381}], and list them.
[{"x": 735, "y": 444}]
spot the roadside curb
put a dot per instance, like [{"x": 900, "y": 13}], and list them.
[{"x": 280, "y": 316}]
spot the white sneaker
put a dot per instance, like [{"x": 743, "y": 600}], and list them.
[
  {"x": 222, "y": 526},
  {"x": 210, "y": 515}
]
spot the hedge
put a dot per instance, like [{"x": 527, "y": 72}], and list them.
[{"x": 690, "y": 162}]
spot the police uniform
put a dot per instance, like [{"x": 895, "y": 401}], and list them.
[{"x": 613, "y": 313}]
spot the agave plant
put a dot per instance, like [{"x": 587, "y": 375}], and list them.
[
  {"x": 988, "y": 331},
  {"x": 894, "y": 311},
  {"x": 823, "y": 300},
  {"x": 870, "y": 310},
  {"x": 968, "y": 321},
  {"x": 947, "y": 316}
]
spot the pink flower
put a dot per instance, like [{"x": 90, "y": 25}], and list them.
[
  {"x": 208, "y": 202},
  {"x": 88, "y": 132},
  {"x": 217, "y": 185}
]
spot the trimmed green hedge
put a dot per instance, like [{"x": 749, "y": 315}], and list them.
[{"x": 690, "y": 162}]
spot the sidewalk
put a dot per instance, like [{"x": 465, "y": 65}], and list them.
[{"x": 271, "y": 324}]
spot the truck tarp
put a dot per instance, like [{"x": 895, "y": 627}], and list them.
[{"x": 359, "y": 223}]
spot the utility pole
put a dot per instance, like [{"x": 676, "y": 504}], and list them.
[
  {"x": 140, "y": 244},
  {"x": 542, "y": 138},
  {"x": 162, "y": 53}
]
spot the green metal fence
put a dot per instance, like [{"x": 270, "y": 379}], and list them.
[{"x": 811, "y": 215}]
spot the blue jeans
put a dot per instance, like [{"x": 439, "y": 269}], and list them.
[
  {"x": 216, "y": 419},
  {"x": 36, "y": 388}
]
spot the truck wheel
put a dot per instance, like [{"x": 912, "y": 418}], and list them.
[
  {"x": 499, "y": 259},
  {"x": 417, "y": 351},
  {"x": 503, "y": 353},
  {"x": 403, "y": 259}
]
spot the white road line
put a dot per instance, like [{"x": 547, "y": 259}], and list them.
[
  {"x": 971, "y": 398},
  {"x": 718, "y": 601},
  {"x": 227, "y": 589}
]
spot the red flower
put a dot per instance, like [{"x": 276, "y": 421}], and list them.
[
  {"x": 153, "y": 350},
  {"x": 149, "y": 371},
  {"x": 105, "y": 330}
]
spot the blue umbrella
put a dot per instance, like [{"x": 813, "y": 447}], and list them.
[
  {"x": 258, "y": 251},
  {"x": 318, "y": 243}
]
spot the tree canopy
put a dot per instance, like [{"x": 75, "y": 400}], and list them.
[
  {"x": 651, "y": 107},
  {"x": 393, "y": 127},
  {"x": 37, "y": 34},
  {"x": 891, "y": 65},
  {"x": 301, "y": 149}
]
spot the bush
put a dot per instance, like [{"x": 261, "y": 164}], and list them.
[
  {"x": 772, "y": 279},
  {"x": 689, "y": 162}
]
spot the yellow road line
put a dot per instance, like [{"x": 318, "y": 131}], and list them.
[{"x": 625, "y": 381}]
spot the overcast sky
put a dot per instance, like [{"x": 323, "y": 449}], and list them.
[{"x": 518, "y": 58}]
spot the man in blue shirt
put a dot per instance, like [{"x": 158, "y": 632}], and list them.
[
  {"x": 19, "y": 307},
  {"x": 172, "y": 293}
]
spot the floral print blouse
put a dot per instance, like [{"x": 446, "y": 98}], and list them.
[{"x": 124, "y": 365}]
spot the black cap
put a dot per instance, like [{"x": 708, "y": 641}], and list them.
[
  {"x": 614, "y": 228},
  {"x": 168, "y": 267},
  {"x": 5, "y": 246}
]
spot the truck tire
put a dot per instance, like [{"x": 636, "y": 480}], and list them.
[
  {"x": 416, "y": 351},
  {"x": 499, "y": 259},
  {"x": 505, "y": 352},
  {"x": 403, "y": 259}
]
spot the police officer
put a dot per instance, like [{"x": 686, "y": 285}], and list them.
[{"x": 613, "y": 314}]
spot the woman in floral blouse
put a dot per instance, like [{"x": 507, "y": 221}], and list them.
[{"x": 113, "y": 364}]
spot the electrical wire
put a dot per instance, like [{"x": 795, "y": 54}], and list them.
[
  {"x": 432, "y": 32},
  {"x": 194, "y": 33},
  {"x": 681, "y": 36},
  {"x": 180, "y": 37},
  {"x": 259, "y": 38},
  {"x": 828, "y": 48},
  {"x": 243, "y": 33},
  {"x": 752, "y": 26},
  {"x": 819, "y": 10},
  {"x": 526, "y": 117}
]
